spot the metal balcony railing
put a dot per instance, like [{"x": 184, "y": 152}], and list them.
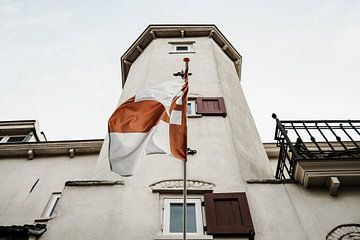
[{"x": 315, "y": 140}]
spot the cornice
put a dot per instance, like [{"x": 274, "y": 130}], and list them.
[
  {"x": 38, "y": 149},
  {"x": 177, "y": 31}
]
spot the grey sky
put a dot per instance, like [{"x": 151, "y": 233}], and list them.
[{"x": 59, "y": 60}]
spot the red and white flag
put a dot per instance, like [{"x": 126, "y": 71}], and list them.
[{"x": 153, "y": 121}]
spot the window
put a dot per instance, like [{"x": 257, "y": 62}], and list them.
[
  {"x": 173, "y": 216},
  {"x": 50, "y": 207},
  {"x": 210, "y": 106},
  {"x": 191, "y": 108},
  {"x": 15, "y": 138},
  {"x": 206, "y": 106},
  {"x": 182, "y": 47},
  {"x": 228, "y": 214}
]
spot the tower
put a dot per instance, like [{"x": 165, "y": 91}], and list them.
[{"x": 220, "y": 129}]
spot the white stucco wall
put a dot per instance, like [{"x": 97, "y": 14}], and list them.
[{"x": 17, "y": 176}]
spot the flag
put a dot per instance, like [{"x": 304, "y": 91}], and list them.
[{"x": 152, "y": 121}]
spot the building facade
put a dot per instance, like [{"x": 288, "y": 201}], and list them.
[{"x": 68, "y": 189}]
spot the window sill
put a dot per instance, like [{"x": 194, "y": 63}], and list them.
[
  {"x": 188, "y": 236},
  {"x": 194, "y": 116},
  {"x": 42, "y": 219}
]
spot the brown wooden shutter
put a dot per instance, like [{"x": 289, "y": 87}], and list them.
[
  {"x": 228, "y": 214},
  {"x": 211, "y": 106}
]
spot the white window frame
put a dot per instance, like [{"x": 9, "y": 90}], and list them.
[
  {"x": 189, "y": 50},
  {"x": 50, "y": 206},
  {"x": 189, "y": 44},
  {"x": 193, "y": 113},
  {"x": 198, "y": 214},
  {"x": 5, "y": 138}
]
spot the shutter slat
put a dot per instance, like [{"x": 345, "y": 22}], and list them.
[
  {"x": 245, "y": 212},
  {"x": 236, "y": 212}
]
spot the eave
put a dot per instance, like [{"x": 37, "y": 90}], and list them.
[
  {"x": 53, "y": 148},
  {"x": 177, "y": 31}
]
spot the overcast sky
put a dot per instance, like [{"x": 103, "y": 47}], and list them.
[{"x": 59, "y": 60}]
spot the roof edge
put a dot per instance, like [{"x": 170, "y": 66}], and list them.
[{"x": 154, "y": 31}]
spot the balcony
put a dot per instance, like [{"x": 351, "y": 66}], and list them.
[{"x": 319, "y": 152}]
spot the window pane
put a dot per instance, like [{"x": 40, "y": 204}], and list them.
[
  {"x": 176, "y": 218},
  {"x": 16, "y": 139},
  {"x": 189, "y": 108},
  {"x": 181, "y": 48}
]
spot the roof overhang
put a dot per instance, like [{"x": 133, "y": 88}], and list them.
[
  {"x": 33, "y": 150},
  {"x": 177, "y": 31}
]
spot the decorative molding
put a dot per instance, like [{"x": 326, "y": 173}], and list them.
[
  {"x": 30, "y": 154},
  {"x": 32, "y": 150},
  {"x": 153, "y": 34},
  {"x": 345, "y": 232},
  {"x": 139, "y": 49},
  {"x": 176, "y": 185},
  {"x": 182, "y": 33},
  {"x": 87, "y": 183},
  {"x": 72, "y": 152}
]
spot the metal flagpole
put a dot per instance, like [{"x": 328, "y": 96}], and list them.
[
  {"x": 186, "y": 60},
  {"x": 184, "y": 206}
]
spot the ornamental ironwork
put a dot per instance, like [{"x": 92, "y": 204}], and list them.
[
  {"x": 315, "y": 140},
  {"x": 345, "y": 232}
]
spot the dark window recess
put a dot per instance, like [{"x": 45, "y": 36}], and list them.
[
  {"x": 14, "y": 236},
  {"x": 228, "y": 214},
  {"x": 182, "y": 48},
  {"x": 21, "y": 232},
  {"x": 211, "y": 106},
  {"x": 16, "y": 139}
]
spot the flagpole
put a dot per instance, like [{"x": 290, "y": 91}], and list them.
[
  {"x": 185, "y": 76},
  {"x": 184, "y": 205}
]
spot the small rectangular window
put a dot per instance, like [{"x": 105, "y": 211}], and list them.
[
  {"x": 16, "y": 139},
  {"x": 50, "y": 207},
  {"x": 173, "y": 217},
  {"x": 191, "y": 109},
  {"x": 182, "y": 47}
]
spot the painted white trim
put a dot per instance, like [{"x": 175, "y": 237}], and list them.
[
  {"x": 198, "y": 214},
  {"x": 50, "y": 206},
  {"x": 189, "y": 45},
  {"x": 193, "y": 113}
]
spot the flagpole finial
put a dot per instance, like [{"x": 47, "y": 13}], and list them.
[{"x": 186, "y": 60}]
